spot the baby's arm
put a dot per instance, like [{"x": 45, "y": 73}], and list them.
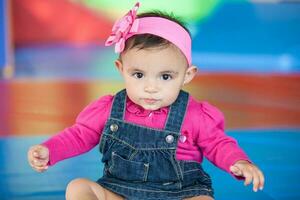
[
  {"x": 250, "y": 172},
  {"x": 38, "y": 157},
  {"x": 224, "y": 151},
  {"x": 71, "y": 142},
  {"x": 74, "y": 140}
]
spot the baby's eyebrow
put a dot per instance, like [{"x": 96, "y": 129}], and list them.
[
  {"x": 134, "y": 69},
  {"x": 169, "y": 72}
]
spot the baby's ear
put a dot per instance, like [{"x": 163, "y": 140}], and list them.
[
  {"x": 190, "y": 74},
  {"x": 119, "y": 65}
]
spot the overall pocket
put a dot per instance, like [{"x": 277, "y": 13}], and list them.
[{"x": 128, "y": 170}]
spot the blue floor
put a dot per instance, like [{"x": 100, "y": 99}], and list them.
[{"x": 275, "y": 151}]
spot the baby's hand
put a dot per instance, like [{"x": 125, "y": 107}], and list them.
[
  {"x": 250, "y": 172},
  {"x": 38, "y": 157}
]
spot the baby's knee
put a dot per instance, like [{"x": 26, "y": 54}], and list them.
[
  {"x": 76, "y": 187},
  {"x": 76, "y": 183}
]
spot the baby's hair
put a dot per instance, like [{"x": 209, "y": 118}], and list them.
[{"x": 145, "y": 41}]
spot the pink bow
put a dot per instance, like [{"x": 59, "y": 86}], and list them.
[{"x": 122, "y": 28}]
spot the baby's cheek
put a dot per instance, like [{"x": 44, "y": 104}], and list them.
[{"x": 170, "y": 97}]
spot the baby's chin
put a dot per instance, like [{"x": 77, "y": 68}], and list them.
[{"x": 151, "y": 107}]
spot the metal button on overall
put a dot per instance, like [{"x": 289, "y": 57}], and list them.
[
  {"x": 114, "y": 127},
  {"x": 169, "y": 138}
]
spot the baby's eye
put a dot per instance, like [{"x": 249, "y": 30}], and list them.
[
  {"x": 138, "y": 75},
  {"x": 166, "y": 77}
]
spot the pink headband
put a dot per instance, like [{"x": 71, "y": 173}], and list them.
[{"x": 128, "y": 26}]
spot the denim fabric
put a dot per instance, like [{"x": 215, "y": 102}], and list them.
[{"x": 140, "y": 162}]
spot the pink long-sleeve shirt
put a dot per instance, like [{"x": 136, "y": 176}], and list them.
[{"x": 202, "y": 130}]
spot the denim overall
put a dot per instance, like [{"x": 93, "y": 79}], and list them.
[{"x": 140, "y": 162}]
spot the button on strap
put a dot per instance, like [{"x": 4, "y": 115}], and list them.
[
  {"x": 114, "y": 127},
  {"x": 170, "y": 139}
]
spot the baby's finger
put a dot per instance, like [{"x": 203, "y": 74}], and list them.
[
  {"x": 261, "y": 180},
  {"x": 40, "y": 153},
  {"x": 39, "y": 168},
  {"x": 39, "y": 162},
  {"x": 248, "y": 178},
  {"x": 256, "y": 180},
  {"x": 35, "y": 154}
]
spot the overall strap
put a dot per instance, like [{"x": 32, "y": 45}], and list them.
[
  {"x": 118, "y": 106},
  {"x": 177, "y": 112}
]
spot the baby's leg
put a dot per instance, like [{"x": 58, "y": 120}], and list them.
[
  {"x": 200, "y": 198},
  {"x": 84, "y": 189}
]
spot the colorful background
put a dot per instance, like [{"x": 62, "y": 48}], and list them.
[{"x": 53, "y": 63}]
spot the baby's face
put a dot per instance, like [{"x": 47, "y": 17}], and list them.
[{"x": 154, "y": 77}]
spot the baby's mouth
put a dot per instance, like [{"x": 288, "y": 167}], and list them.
[{"x": 150, "y": 100}]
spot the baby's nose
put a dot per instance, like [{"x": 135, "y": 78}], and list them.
[{"x": 151, "y": 87}]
